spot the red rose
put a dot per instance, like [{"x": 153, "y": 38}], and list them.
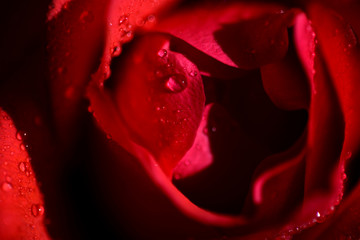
[{"x": 205, "y": 120}]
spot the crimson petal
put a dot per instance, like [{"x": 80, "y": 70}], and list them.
[{"x": 21, "y": 203}]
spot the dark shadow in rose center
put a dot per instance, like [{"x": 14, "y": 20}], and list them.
[{"x": 244, "y": 128}]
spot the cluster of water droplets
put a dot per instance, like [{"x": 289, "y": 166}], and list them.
[
  {"x": 8, "y": 185},
  {"x": 126, "y": 30}
]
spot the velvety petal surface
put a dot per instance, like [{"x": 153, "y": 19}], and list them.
[{"x": 21, "y": 204}]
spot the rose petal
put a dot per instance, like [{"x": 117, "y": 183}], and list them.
[
  {"x": 161, "y": 99},
  {"x": 340, "y": 48},
  {"x": 78, "y": 36},
  {"x": 21, "y": 204},
  {"x": 285, "y": 82},
  {"x": 75, "y": 41},
  {"x": 260, "y": 33},
  {"x": 278, "y": 183},
  {"x": 199, "y": 156}
]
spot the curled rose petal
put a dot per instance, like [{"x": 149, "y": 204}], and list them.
[
  {"x": 225, "y": 32},
  {"x": 339, "y": 45},
  {"x": 161, "y": 99},
  {"x": 77, "y": 35},
  {"x": 21, "y": 203}
]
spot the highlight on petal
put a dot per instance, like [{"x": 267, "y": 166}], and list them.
[
  {"x": 199, "y": 156},
  {"x": 237, "y": 34},
  {"x": 21, "y": 203},
  {"x": 304, "y": 37}
]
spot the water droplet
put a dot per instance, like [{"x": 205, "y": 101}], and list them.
[
  {"x": 70, "y": 92},
  {"x": 319, "y": 218},
  {"x": 116, "y": 51},
  {"x": 6, "y": 186},
  {"x": 344, "y": 176},
  {"x": 22, "y": 147},
  {"x": 22, "y": 167},
  {"x": 348, "y": 154},
  {"x": 90, "y": 109},
  {"x": 177, "y": 176},
  {"x": 123, "y": 19},
  {"x": 140, "y": 22},
  {"x": 129, "y": 34},
  {"x": 108, "y": 136},
  {"x": 37, "y": 210},
  {"x": 206, "y": 131},
  {"x": 151, "y": 18},
  {"x": 86, "y": 16},
  {"x": 176, "y": 83},
  {"x": 193, "y": 73},
  {"x": 60, "y": 70},
  {"x": 213, "y": 129},
  {"x": 162, "y": 53},
  {"x": 18, "y": 136}
]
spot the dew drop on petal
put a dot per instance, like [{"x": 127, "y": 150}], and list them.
[
  {"x": 22, "y": 147},
  {"x": 86, "y": 16},
  {"x": 37, "y": 210},
  {"x": 22, "y": 167},
  {"x": 6, "y": 186},
  {"x": 162, "y": 53},
  {"x": 18, "y": 136},
  {"x": 177, "y": 176},
  {"x": 151, "y": 18},
  {"x": 344, "y": 176},
  {"x": 206, "y": 131},
  {"x": 116, "y": 51},
  {"x": 193, "y": 73},
  {"x": 176, "y": 83},
  {"x": 123, "y": 19}
]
